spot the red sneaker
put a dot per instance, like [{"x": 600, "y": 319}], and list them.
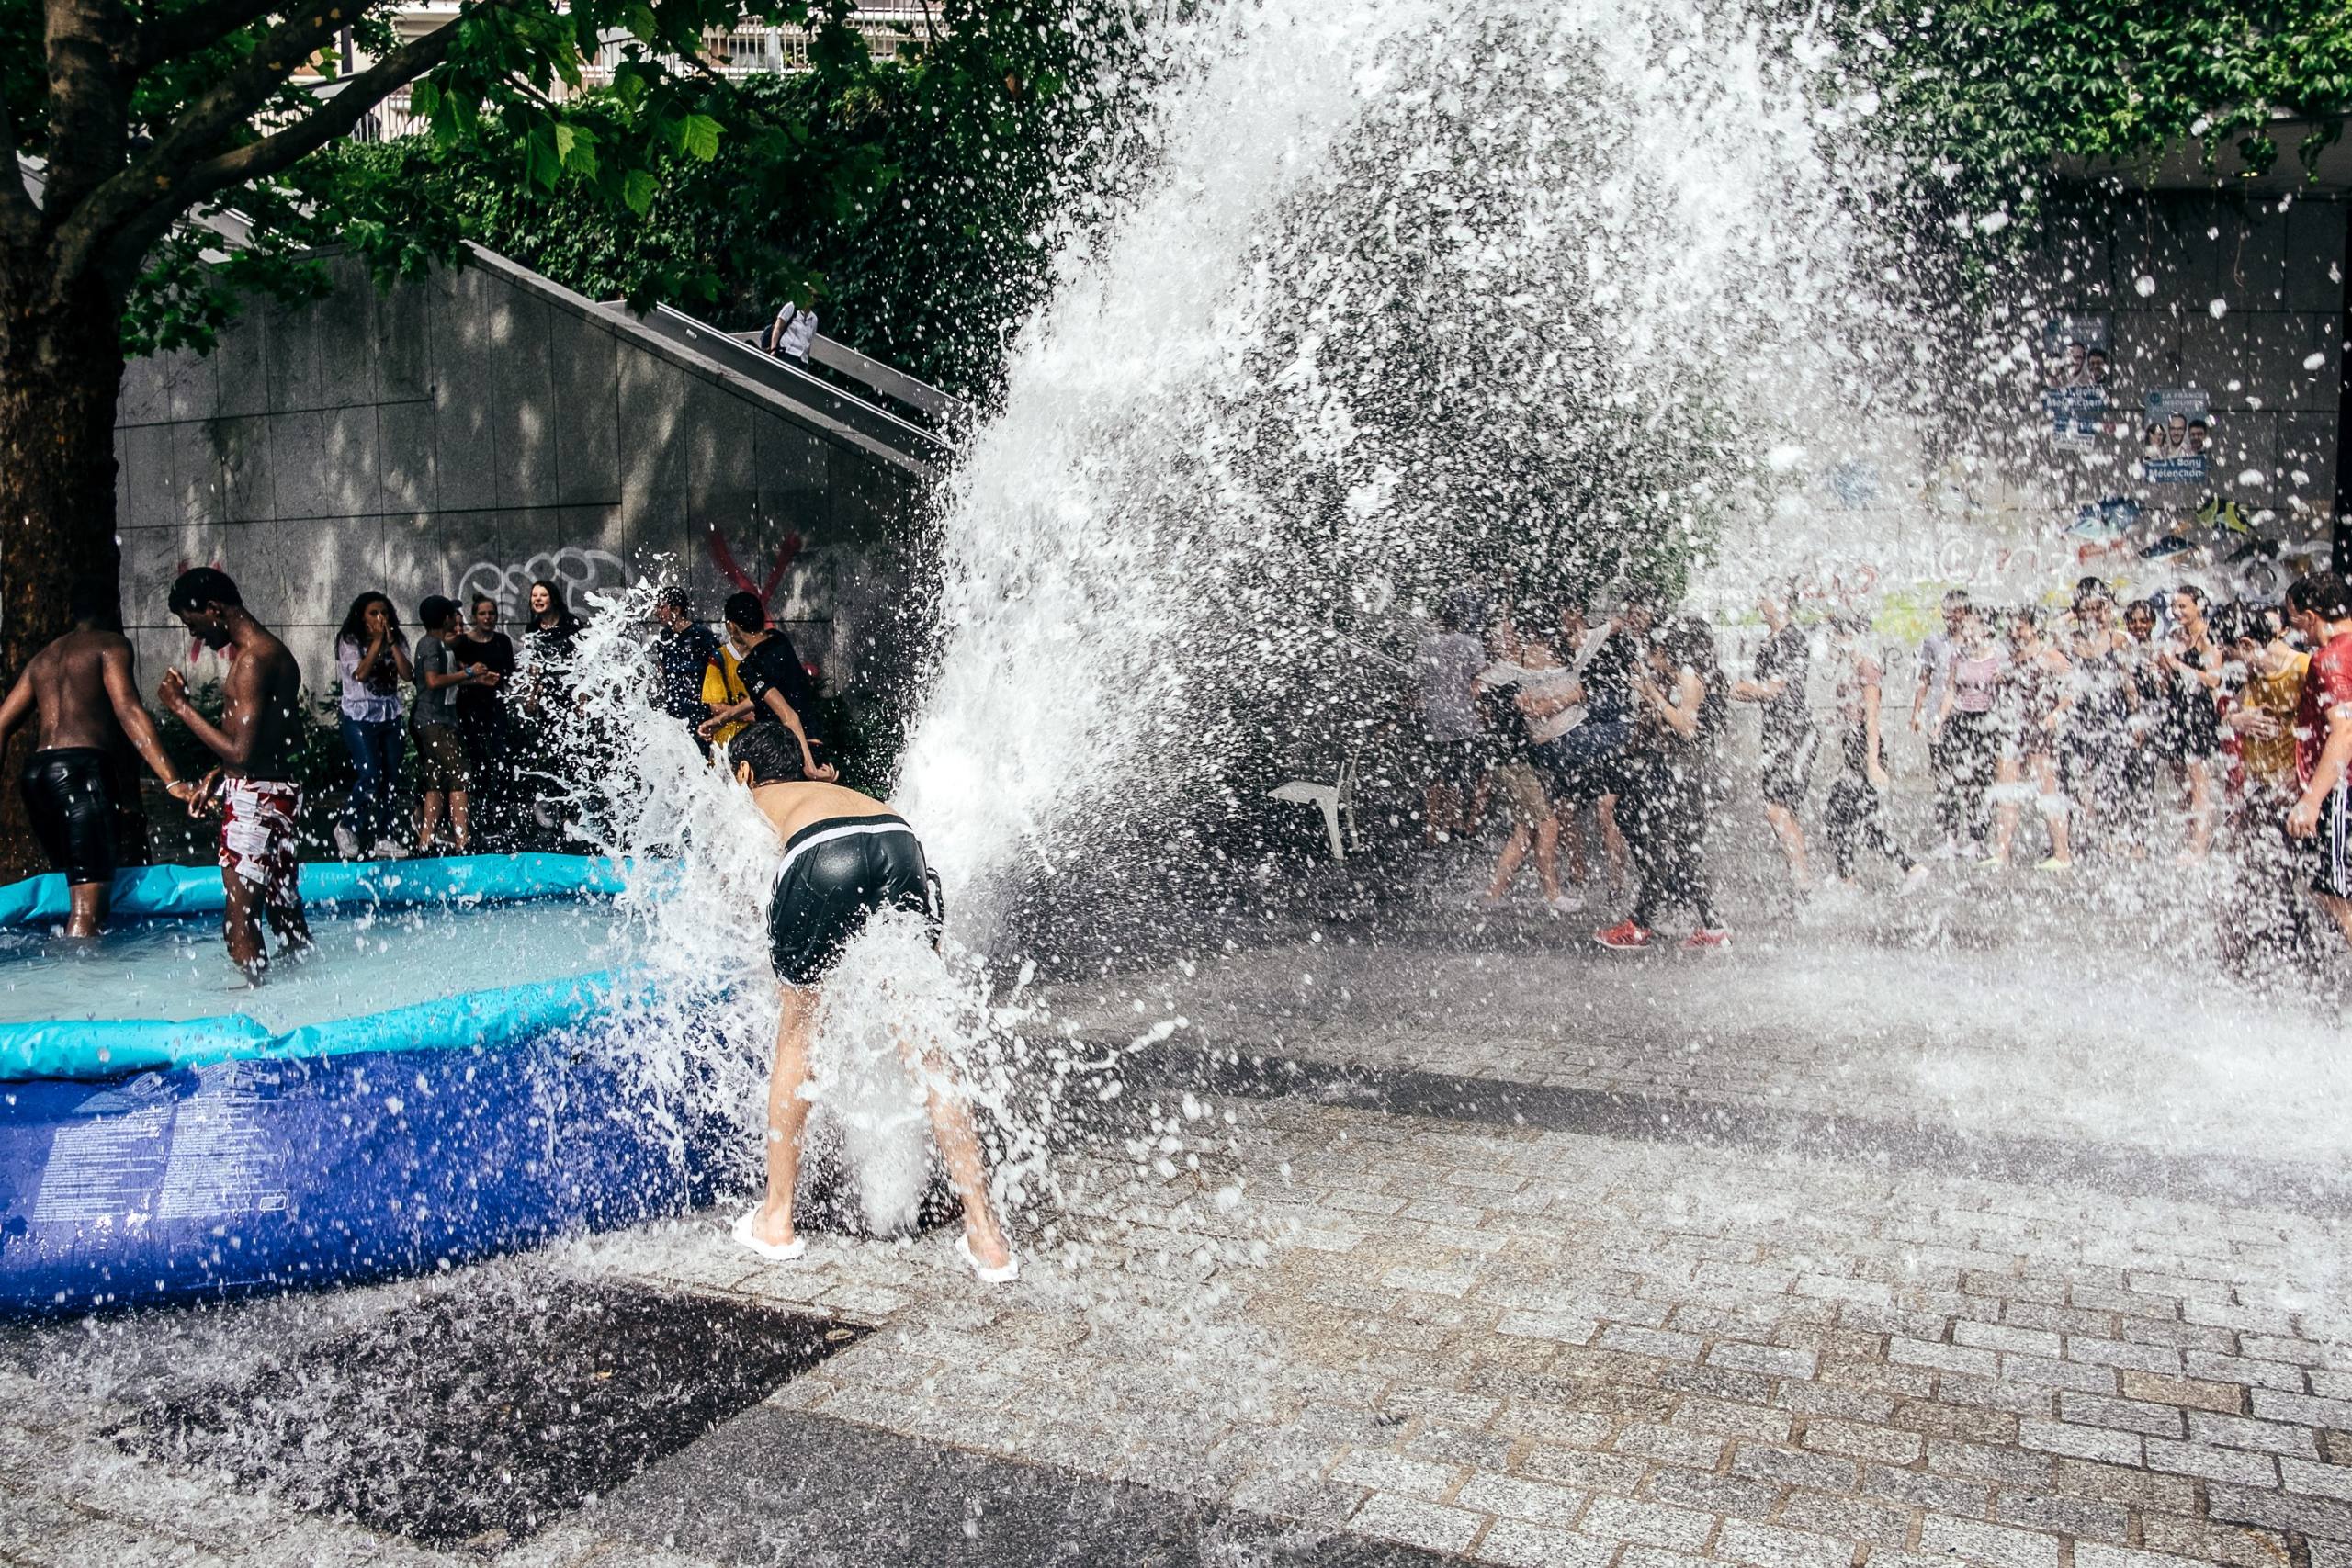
[
  {"x": 1623, "y": 934},
  {"x": 1706, "y": 937}
]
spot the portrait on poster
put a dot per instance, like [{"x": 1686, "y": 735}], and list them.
[
  {"x": 2076, "y": 368},
  {"x": 2176, "y": 437}
]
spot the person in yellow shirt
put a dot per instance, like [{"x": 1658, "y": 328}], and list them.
[{"x": 722, "y": 688}]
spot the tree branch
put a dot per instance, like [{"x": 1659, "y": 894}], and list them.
[
  {"x": 154, "y": 180},
  {"x": 281, "y": 150}
]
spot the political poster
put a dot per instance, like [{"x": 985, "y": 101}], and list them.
[
  {"x": 2074, "y": 376},
  {"x": 2176, "y": 437}
]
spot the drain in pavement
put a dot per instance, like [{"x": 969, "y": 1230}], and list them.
[{"x": 472, "y": 1420}]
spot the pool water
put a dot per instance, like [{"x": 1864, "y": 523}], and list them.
[{"x": 367, "y": 962}]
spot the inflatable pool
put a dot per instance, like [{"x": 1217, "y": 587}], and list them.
[{"x": 156, "y": 1144}]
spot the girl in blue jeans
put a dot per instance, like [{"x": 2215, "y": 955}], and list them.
[{"x": 372, "y": 655}]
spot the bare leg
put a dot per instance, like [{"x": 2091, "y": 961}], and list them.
[
  {"x": 2054, "y": 816},
  {"x": 959, "y": 1149},
  {"x": 1507, "y": 865},
  {"x": 2200, "y": 809},
  {"x": 1568, "y": 824},
  {"x": 428, "y": 826},
  {"x": 1547, "y": 855},
  {"x": 2339, "y": 910},
  {"x": 1612, "y": 838},
  {"x": 293, "y": 926},
  {"x": 459, "y": 820},
  {"x": 788, "y": 1112},
  {"x": 89, "y": 912},
  {"x": 2006, "y": 833},
  {"x": 1791, "y": 831},
  {"x": 241, "y": 926}
]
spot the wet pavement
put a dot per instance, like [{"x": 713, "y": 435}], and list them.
[{"x": 1492, "y": 1248}]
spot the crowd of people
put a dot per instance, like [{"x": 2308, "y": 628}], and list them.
[{"x": 2166, "y": 726}]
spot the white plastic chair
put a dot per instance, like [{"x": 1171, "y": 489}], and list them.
[{"x": 1333, "y": 799}]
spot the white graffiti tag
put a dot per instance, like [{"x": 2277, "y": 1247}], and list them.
[{"x": 572, "y": 570}]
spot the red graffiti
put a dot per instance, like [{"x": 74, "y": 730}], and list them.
[{"x": 724, "y": 558}]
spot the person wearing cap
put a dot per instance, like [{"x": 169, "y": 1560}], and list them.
[{"x": 443, "y": 777}]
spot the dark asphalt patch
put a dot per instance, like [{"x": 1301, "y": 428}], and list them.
[
  {"x": 788, "y": 1487},
  {"x": 471, "y": 1421},
  {"x": 1920, "y": 1146}
]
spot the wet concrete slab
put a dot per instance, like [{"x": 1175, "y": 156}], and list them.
[
  {"x": 776, "y": 1486},
  {"x": 460, "y": 1424}
]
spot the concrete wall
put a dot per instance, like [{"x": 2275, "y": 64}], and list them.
[
  {"x": 476, "y": 429},
  {"x": 2277, "y": 267}
]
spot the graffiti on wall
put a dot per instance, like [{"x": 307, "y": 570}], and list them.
[
  {"x": 723, "y": 557},
  {"x": 576, "y": 571}
]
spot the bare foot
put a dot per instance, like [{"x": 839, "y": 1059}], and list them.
[{"x": 771, "y": 1223}]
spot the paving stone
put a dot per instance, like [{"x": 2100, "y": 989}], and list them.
[
  {"x": 1822, "y": 1472},
  {"x": 2074, "y": 1517},
  {"x": 1770, "y": 1546},
  {"x": 2214, "y": 1465},
  {"x": 1854, "y": 1518},
  {"x": 2123, "y": 1414},
  {"x": 1394, "y": 1472},
  {"x": 1518, "y": 1544},
  {"x": 2224, "y": 1398},
  {"x": 2082, "y": 1442},
  {"x": 1857, "y": 1442},
  {"x": 1715, "y": 1494},
  {"x": 1653, "y": 1524},
  {"x": 1512, "y": 1498},
  {"x": 1995, "y": 1545},
  {"x": 1923, "y": 1489}
]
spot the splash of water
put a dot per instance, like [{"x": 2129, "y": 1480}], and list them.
[{"x": 1409, "y": 295}]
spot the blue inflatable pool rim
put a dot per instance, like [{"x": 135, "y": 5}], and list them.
[
  {"x": 87, "y": 1049},
  {"x": 164, "y": 891}
]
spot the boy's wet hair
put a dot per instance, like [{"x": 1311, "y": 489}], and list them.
[{"x": 771, "y": 752}]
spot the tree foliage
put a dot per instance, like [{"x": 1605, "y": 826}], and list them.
[
  {"x": 1985, "y": 96},
  {"x": 910, "y": 195}
]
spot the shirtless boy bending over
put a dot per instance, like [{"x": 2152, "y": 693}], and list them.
[{"x": 845, "y": 856}]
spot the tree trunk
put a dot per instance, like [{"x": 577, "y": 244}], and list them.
[{"x": 61, "y": 374}]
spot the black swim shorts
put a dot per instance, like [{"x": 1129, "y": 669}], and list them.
[
  {"x": 1788, "y": 768},
  {"x": 835, "y": 873},
  {"x": 69, "y": 793},
  {"x": 2328, "y": 852}
]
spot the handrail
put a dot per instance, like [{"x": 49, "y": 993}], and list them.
[{"x": 867, "y": 421}]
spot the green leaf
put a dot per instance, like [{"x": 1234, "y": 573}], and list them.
[
  {"x": 638, "y": 188},
  {"x": 698, "y": 137}
]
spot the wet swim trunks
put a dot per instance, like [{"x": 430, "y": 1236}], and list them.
[
  {"x": 833, "y": 875},
  {"x": 69, "y": 793},
  {"x": 257, "y": 836}
]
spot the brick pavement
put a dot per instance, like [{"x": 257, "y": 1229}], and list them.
[{"x": 1522, "y": 1347}]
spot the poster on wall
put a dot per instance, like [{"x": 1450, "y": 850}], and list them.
[
  {"x": 2075, "y": 375},
  {"x": 2176, "y": 436}
]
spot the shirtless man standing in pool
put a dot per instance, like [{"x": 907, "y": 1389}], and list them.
[
  {"x": 845, "y": 856},
  {"x": 257, "y": 741},
  {"x": 80, "y": 696}
]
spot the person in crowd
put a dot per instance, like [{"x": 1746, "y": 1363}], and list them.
[
  {"x": 683, "y": 651},
  {"x": 80, "y": 695},
  {"x": 2096, "y": 734},
  {"x": 1970, "y": 721},
  {"x": 1447, "y": 665},
  {"x": 777, "y": 685},
  {"x": 2038, "y": 696},
  {"x": 2264, "y": 686},
  {"x": 1586, "y": 762},
  {"x": 1670, "y": 785},
  {"x": 1528, "y": 688},
  {"x": 258, "y": 742},
  {"x": 2189, "y": 719},
  {"x": 1784, "y": 666},
  {"x": 2141, "y": 655},
  {"x": 551, "y": 642},
  {"x": 1854, "y": 814},
  {"x": 483, "y": 724},
  {"x": 845, "y": 857},
  {"x": 722, "y": 689},
  {"x": 1937, "y": 655},
  {"x": 2320, "y": 606},
  {"x": 371, "y": 655},
  {"x": 793, "y": 333},
  {"x": 444, "y": 780}
]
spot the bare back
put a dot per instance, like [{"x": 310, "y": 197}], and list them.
[
  {"x": 263, "y": 690},
  {"x": 69, "y": 680},
  {"x": 791, "y": 806}
]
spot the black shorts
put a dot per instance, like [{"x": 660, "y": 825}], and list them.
[
  {"x": 835, "y": 873},
  {"x": 1788, "y": 768},
  {"x": 2330, "y": 845},
  {"x": 69, "y": 793},
  {"x": 2190, "y": 731}
]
